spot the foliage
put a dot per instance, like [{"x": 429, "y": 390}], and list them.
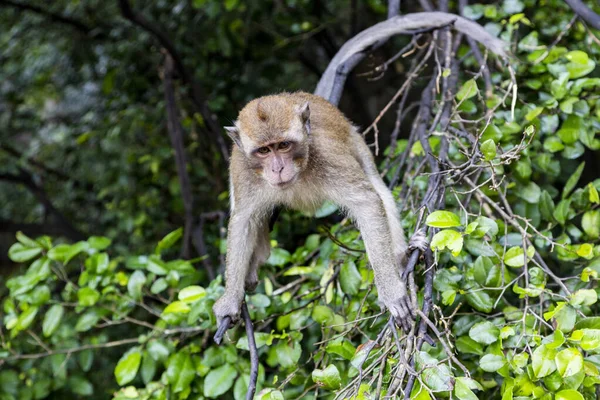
[{"x": 516, "y": 240}]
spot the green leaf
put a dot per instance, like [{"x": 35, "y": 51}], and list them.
[
  {"x": 442, "y": 219},
  {"x": 553, "y": 144},
  {"x": 52, "y": 319},
  {"x": 284, "y": 354},
  {"x": 350, "y": 278},
  {"x": 87, "y": 321},
  {"x": 515, "y": 257},
  {"x": 26, "y": 319},
  {"x": 168, "y": 241},
  {"x": 585, "y": 297},
  {"x": 279, "y": 257},
  {"x": 80, "y": 386},
  {"x": 578, "y": 70},
  {"x": 341, "y": 347},
  {"x": 568, "y": 394},
  {"x": 158, "y": 350},
  {"x": 546, "y": 206},
  {"x": 128, "y": 366},
  {"x": 577, "y": 56},
  {"x": 543, "y": 362},
  {"x": 328, "y": 378},
  {"x": 176, "y": 307},
  {"x": 59, "y": 252},
  {"x": 467, "y": 90},
  {"x": 590, "y": 222},
  {"x": 448, "y": 238},
  {"x": 87, "y": 296},
  {"x": 99, "y": 242},
  {"x": 488, "y": 149},
  {"x": 18, "y": 252},
  {"x": 480, "y": 300},
  {"x": 191, "y": 294},
  {"x": 484, "y": 332},
  {"x": 148, "y": 369},
  {"x": 322, "y": 314},
  {"x": 135, "y": 284},
  {"x": 219, "y": 381},
  {"x": 27, "y": 241},
  {"x": 462, "y": 390},
  {"x": 74, "y": 250},
  {"x": 181, "y": 372},
  {"x": 530, "y": 192},
  {"x": 561, "y": 212},
  {"x": 466, "y": 345},
  {"x": 569, "y": 362},
  {"x": 573, "y": 179},
  {"x": 594, "y": 197},
  {"x": 436, "y": 376},
  {"x": 159, "y": 285}
]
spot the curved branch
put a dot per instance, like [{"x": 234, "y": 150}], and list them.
[
  {"x": 353, "y": 51},
  {"x": 586, "y": 13}
]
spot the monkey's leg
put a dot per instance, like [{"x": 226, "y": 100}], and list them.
[
  {"x": 242, "y": 237},
  {"x": 261, "y": 254},
  {"x": 368, "y": 210}
]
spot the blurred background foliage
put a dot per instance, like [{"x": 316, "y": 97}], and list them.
[{"x": 86, "y": 159}]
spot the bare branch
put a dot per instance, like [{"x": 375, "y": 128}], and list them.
[
  {"x": 78, "y": 25},
  {"x": 253, "y": 352},
  {"x": 27, "y": 180},
  {"x": 354, "y": 50},
  {"x": 198, "y": 93},
  {"x": 176, "y": 136},
  {"x": 586, "y": 13}
]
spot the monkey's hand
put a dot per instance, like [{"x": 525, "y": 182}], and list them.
[
  {"x": 418, "y": 241},
  {"x": 227, "y": 306},
  {"x": 399, "y": 305}
]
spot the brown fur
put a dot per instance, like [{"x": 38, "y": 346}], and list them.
[{"x": 332, "y": 162}]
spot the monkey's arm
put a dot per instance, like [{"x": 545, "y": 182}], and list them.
[
  {"x": 242, "y": 238},
  {"x": 368, "y": 210}
]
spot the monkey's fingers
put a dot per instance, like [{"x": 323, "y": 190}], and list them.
[
  {"x": 223, "y": 326},
  {"x": 418, "y": 241}
]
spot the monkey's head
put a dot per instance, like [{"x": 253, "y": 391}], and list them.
[{"x": 274, "y": 135}]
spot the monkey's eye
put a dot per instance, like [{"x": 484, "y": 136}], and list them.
[
  {"x": 283, "y": 146},
  {"x": 263, "y": 150}
]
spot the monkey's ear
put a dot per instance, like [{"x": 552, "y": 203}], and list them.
[
  {"x": 234, "y": 134},
  {"x": 304, "y": 114}
]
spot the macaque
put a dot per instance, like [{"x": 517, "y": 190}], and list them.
[{"x": 297, "y": 150}]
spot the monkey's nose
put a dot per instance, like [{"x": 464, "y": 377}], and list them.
[{"x": 277, "y": 169}]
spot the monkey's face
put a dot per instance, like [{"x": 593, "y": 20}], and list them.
[{"x": 279, "y": 163}]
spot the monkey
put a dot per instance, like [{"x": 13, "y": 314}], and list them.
[{"x": 297, "y": 150}]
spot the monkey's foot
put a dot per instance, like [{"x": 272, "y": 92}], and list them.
[
  {"x": 418, "y": 241},
  {"x": 403, "y": 313},
  {"x": 227, "y": 307},
  {"x": 400, "y": 306}
]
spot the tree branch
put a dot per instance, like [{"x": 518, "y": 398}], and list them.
[
  {"x": 176, "y": 136},
  {"x": 78, "y": 25},
  {"x": 198, "y": 93},
  {"x": 586, "y": 13},
  {"x": 26, "y": 179},
  {"x": 355, "y": 49}
]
